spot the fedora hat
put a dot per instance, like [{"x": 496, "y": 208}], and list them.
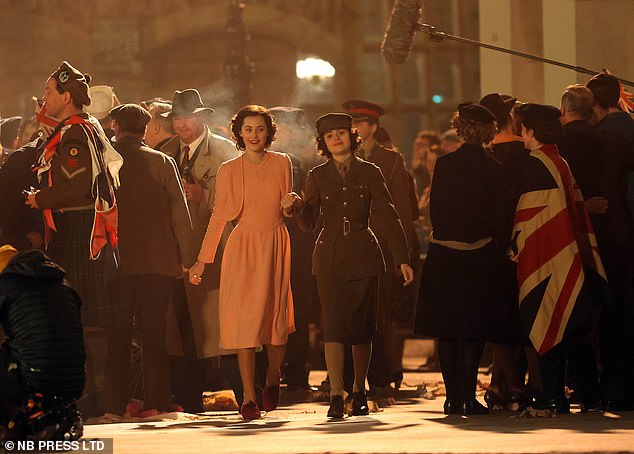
[{"x": 187, "y": 103}]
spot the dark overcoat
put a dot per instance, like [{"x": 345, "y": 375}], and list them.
[{"x": 469, "y": 202}]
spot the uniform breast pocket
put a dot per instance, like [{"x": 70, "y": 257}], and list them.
[
  {"x": 361, "y": 197},
  {"x": 327, "y": 201}
]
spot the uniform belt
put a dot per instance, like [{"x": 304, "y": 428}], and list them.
[
  {"x": 346, "y": 226},
  {"x": 460, "y": 245}
]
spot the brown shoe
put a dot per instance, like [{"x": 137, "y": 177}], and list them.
[{"x": 250, "y": 411}]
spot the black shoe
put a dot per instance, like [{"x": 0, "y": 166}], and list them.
[
  {"x": 360, "y": 404},
  {"x": 615, "y": 405},
  {"x": 521, "y": 399},
  {"x": 559, "y": 406},
  {"x": 494, "y": 399},
  {"x": 336, "y": 407},
  {"x": 473, "y": 407},
  {"x": 451, "y": 408}
]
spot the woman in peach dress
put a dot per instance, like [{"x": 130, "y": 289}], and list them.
[{"x": 256, "y": 305}]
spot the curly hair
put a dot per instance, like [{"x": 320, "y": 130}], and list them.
[
  {"x": 252, "y": 110},
  {"x": 355, "y": 143},
  {"x": 474, "y": 131}
]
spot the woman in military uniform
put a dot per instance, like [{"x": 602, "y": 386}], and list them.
[{"x": 347, "y": 257}]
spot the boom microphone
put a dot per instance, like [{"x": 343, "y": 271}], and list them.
[{"x": 401, "y": 27}]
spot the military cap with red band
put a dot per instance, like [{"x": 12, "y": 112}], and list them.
[{"x": 361, "y": 110}]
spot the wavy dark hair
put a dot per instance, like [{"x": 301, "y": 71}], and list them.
[
  {"x": 252, "y": 110},
  {"x": 474, "y": 131},
  {"x": 355, "y": 143}
]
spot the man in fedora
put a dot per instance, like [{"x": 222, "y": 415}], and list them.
[{"x": 198, "y": 153}]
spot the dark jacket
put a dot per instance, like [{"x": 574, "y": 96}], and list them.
[
  {"x": 154, "y": 225},
  {"x": 600, "y": 167},
  {"x": 469, "y": 200},
  {"x": 71, "y": 172},
  {"x": 40, "y": 314},
  {"x": 345, "y": 210},
  {"x": 401, "y": 186},
  {"x": 16, "y": 218}
]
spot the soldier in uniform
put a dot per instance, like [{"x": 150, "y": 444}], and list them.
[
  {"x": 386, "y": 359},
  {"x": 347, "y": 257},
  {"x": 78, "y": 169}
]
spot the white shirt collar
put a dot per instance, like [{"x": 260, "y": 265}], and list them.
[{"x": 194, "y": 145}]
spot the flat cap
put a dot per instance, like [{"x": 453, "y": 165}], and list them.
[
  {"x": 475, "y": 112},
  {"x": 74, "y": 82},
  {"x": 531, "y": 114},
  {"x": 361, "y": 110},
  {"x": 332, "y": 121},
  {"x": 131, "y": 116}
]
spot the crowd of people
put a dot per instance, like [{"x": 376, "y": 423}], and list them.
[{"x": 218, "y": 248}]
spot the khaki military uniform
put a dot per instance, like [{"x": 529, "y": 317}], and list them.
[{"x": 347, "y": 257}]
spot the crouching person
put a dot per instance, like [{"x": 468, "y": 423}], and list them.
[{"x": 42, "y": 359}]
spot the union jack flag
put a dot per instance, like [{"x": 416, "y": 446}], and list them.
[{"x": 555, "y": 249}]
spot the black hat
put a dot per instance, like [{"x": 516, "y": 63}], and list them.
[
  {"x": 186, "y": 103},
  {"x": 74, "y": 82},
  {"x": 532, "y": 114},
  {"x": 500, "y": 105},
  {"x": 363, "y": 110},
  {"x": 288, "y": 115},
  {"x": 606, "y": 90},
  {"x": 130, "y": 116},
  {"x": 9, "y": 130},
  {"x": 332, "y": 121},
  {"x": 475, "y": 112}
]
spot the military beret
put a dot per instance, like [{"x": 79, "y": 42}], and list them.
[
  {"x": 288, "y": 115},
  {"x": 131, "y": 116},
  {"x": 74, "y": 82},
  {"x": 332, "y": 121},
  {"x": 475, "y": 112},
  {"x": 500, "y": 105},
  {"x": 532, "y": 114},
  {"x": 362, "y": 110}
]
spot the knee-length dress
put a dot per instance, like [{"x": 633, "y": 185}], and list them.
[{"x": 256, "y": 304}]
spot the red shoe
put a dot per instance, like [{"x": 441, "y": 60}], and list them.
[
  {"x": 271, "y": 397},
  {"x": 250, "y": 411}
]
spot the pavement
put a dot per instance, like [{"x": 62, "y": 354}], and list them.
[{"x": 414, "y": 423}]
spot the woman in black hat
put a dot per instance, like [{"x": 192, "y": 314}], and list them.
[
  {"x": 456, "y": 302},
  {"x": 347, "y": 257}
]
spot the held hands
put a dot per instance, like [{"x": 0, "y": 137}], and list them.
[
  {"x": 408, "y": 274},
  {"x": 289, "y": 201},
  {"x": 596, "y": 205},
  {"x": 196, "y": 273},
  {"x": 193, "y": 192},
  {"x": 30, "y": 198}
]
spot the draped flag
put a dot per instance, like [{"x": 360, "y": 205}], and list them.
[
  {"x": 555, "y": 249},
  {"x": 106, "y": 163}
]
